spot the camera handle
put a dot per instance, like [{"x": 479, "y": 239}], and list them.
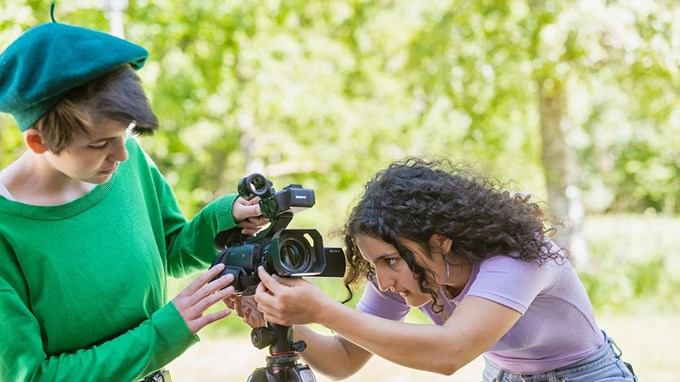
[
  {"x": 233, "y": 236},
  {"x": 284, "y": 354}
]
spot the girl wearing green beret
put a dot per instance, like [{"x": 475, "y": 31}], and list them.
[{"x": 89, "y": 227}]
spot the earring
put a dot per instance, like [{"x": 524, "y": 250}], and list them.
[{"x": 448, "y": 266}]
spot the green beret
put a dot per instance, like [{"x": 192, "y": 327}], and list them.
[{"x": 50, "y": 59}]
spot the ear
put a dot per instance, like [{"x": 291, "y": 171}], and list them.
[
  {"x": 34, "y": 141},
  {"x": 442, "y": 242}
]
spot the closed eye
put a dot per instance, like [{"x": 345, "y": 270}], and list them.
[{"x": 99, "y": 146}]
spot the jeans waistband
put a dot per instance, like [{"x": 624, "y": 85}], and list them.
[
  {"x": 609, "y": 347},
  {"x": 605, "y": 353}
]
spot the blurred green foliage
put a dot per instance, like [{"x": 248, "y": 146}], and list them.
[
  {"x": 324, "y": 93},
  {"x": 634, "y": 265}
]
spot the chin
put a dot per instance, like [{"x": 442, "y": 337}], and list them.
[
  {"x": 99, "y": 179},
  {"x": 417, "y": 301}
]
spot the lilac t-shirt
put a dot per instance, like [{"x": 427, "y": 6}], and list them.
[{"x": 557, "y": 327}]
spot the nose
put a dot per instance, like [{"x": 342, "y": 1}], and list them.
[
  {"x": 118, "y": 151},
  {"x": 384, "y": 281}
]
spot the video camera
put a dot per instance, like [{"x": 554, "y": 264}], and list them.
[{"x": 285, "y": 252}]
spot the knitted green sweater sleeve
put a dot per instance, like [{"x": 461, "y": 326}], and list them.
[{"x": 128, "y": 357}]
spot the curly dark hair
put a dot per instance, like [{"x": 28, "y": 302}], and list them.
[{"x": 416, "y": 198}]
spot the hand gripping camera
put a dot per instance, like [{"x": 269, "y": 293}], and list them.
[{"x": 286, "y": 252}]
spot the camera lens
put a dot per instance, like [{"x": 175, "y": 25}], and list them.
[{"x": 294, "y": 253}]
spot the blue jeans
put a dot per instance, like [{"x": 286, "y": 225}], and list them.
[{"x": 604, "y": 365}]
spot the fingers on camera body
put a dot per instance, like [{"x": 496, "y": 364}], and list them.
[
  {"x": 202, "y": 293},
  {"x": 246, "y": 309},
  {"x": 243, "y": 210},
  {"x": 230, "y": 302},
  {"x": 255, "y": 320},
  {"x": 253, "y": 225},
  {"x": 205, "y": 292}
]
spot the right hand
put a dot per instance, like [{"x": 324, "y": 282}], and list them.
[
  {"x": 248, "y": 215},
  {"x": 246, "y": 308},
  {"x": 290, "y": 300},
  {"x": 200, "y": 295}
]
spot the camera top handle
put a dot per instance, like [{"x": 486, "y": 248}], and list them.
[{"x": 226, "y": 239}]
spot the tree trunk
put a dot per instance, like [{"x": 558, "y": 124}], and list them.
[{"x": 560, "y": 169}]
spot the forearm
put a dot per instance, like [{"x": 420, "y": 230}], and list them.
[
  {"x": 473, "y": 327},
  {"x": 330, "y": 355},
  {"x": 425, "y": 347},
  {"x": 191, "y": 243},
  {"x": 128, "y": 357}
]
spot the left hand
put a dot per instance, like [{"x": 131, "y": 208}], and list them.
[
  {"x": 248, "y": 215},
  {"x": 200, "y": 295},
  {"x": 288, "y": 301},
  {"x": 246, "y": 308}
]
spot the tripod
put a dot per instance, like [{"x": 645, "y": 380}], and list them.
[{"x": 282, "y": 362}]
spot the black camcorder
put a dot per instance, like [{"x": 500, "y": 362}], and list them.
[{"x": 281, "y": 251}]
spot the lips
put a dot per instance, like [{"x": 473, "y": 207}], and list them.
[{"x": 109, "y": 171}]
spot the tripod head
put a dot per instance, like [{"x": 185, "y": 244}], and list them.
[{"x": 284, "y": 354}]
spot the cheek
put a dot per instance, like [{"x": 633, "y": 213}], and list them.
[
  {"x": 83, "y": 163},
  {"x": 406, "y": 276},
  {"x": 411, "y": 280}
]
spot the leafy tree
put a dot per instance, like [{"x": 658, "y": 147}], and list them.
[
  {"x": 493, "y": 60},
  {"x": 561, "y": 96}
]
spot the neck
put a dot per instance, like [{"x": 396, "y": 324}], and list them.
[
  {"x": 460, "y": 270},
  {"x": 31, "y": 179}
]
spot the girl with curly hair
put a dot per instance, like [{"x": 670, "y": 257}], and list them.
[{"x": 476, "y": 259}]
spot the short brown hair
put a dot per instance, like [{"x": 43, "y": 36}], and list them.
[{"x": 117, "y": 96}]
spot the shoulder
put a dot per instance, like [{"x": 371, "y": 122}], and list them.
[
  {"x": 511, "y": 267},
  {"x": 514, "y": 282},
  {"x": 138, "y": 159},
  {"x": 553, "y": 260},
  {"x": 135, "y": 150}
]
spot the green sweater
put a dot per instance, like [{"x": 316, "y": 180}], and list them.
[{"x": 83, "y": 285}]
